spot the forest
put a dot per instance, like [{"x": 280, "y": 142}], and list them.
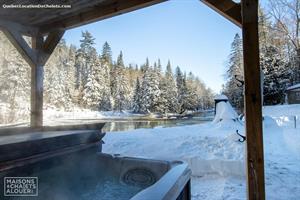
[
  {"x": 84, "y": 78},
  {"x": 81, "y": 77},
  {"x": 279, "y": 54}
]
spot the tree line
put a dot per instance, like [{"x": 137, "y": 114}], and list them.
[
  {"x": 279, "y": 54},
  {"x": 84, "y": 78}
]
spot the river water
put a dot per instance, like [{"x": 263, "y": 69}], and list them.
[{"x": 128, "y": 125}]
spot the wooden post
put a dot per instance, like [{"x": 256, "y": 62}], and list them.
[
  {"x": 36, "y": 56},
  {"x": 37, "y": 77},
  {"x": 253, "y": 104},
  {"x": 42, "y": 49}
]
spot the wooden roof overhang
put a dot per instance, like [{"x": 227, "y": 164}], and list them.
[
  {"x": 81, "y": 12},
  {"x": 47, "y": 26}
]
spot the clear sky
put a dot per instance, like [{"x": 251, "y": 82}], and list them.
[{"x": 187, "y": 32}]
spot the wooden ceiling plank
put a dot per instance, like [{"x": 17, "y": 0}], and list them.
[
  {"x": 227, "y": 8},
  {"x": 52, "y": 14},
  {"x": 97, "y": 13},
  {"x": 22, "y": 29}
]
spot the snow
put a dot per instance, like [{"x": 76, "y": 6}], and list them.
[
  {"x": 284, "y": 114},
  {"x": 282, "y": 110},
  {"x": 293, "y": 87},
  {"x": 51, "y": 114},
  {"x": 225, "y": 114},
  {"x": 215, "y": 149},
  {"x": 217, "y": 158},
  {"x": 221, "y": 97}
]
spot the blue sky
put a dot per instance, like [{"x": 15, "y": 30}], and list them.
[{"x": 187, "y": 32}]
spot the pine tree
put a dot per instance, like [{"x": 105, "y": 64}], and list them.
[
  {"x": 145, "y": 66},
  {"x": 150, "y": 91},
  {"x": 59, "y": 79},
  {"x": 233, "y": 89},
  {"x": 182, "y": 90},
  {"x": 275, "y": 67},
  {"x": 14, "y": 84},
  {"x": 137, "y": 98},
  {"x": 85, "y": 56},
  {"x": 192, "y": 97},
  {"x": 81, "y": 77},
  {"x": 106, "y": 55},
  {"x": 276, "y": 76},
  {"x": 171, "y": 90},
  {"x": 106, "y": 67},
  {"x": 92, "y": 89},
  {"x": 120, "y": 84}
]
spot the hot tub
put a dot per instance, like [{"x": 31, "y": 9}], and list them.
[{"x": 80, "y": 171}]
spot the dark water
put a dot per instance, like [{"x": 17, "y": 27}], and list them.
[{"x": 127, "y": 125}]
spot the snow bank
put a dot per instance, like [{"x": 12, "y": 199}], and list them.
[
  {"x": 226, "y": 117},
  {"x": 17, "y": 115},
  {"x": 284, "y": 115},
  {"x": 79, "y": 113},
  {"x": 206, "y": 149},
  {"x": 225, "y": 112},
  {"x": 216, "y": 157},
  {"x": 269, "y": 122},
  {"x": 282, "y": 110}
]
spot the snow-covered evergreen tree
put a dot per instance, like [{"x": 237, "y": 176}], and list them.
[
  {"x": 276, "y": 76},
  {"x": 106, "y": 55},
  {"x": 85, "y": 56},
  {"x": 137, "y": 98},
  {"x": 59, "y": 79},
  {"x": 233, "y": 88},
  {"x": 120, "y": 91},
  {"x": 150, "y": 91},
  {"x": 171, "y": 90},
  {"x": 80, "y": 77},
  {"x": 182, "y": 90},
  {"x": 106, "y": 66},
  {"x": 193, "y": 92},
  {"x": 93, "y": 89},
  {"x": 14, "y": 84}
]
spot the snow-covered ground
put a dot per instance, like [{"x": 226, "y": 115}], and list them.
[
  {"x": 54, "y": 116},
  {"x": 284, "y": 114},
  {"x": 217, "y": 158},
  {"x": 79, "y": 113}
]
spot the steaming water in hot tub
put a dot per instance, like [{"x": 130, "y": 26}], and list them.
[
  {"x": 70, "y": 165},
  {"x": 84, "y": 182},
  {"x": 89, "y": 175}
]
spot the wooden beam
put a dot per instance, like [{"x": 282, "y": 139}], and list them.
[
  {"x": 36, "y": 56},
  {"x": 227, "y": 8},
  {"x": 23, "y": 30},
  {"x": 98, "y": 13},
  {"x": 43, "y": 51},
  {"x": 52, "y": 40},
  {"x": 21, "y": 45},
  {"x": 37, "y": 77},
  {"x": 253, "y": 104},
  {"x": 49, "y": 45}
]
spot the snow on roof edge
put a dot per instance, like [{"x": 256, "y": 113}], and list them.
[
  {"x": 221, "y": 97},
  {"x": 293, "y": 87}
]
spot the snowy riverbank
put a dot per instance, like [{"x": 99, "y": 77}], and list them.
[{"x": 217, "y": 158}]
